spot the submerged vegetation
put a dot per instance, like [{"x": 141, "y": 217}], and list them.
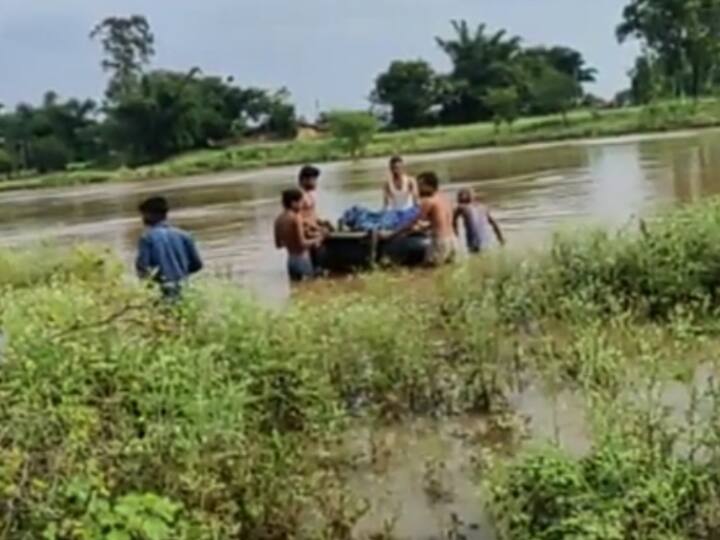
[{"x": 125, "y": 418}]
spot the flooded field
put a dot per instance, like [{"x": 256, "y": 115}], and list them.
[{"x": 534, "y": 190}]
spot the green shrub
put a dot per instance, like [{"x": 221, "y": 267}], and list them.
[
  {"x": 123, "y": 417},
  {"x": 617, "y": 492},
  {"x": 353, "y": 129},
  {"x": 6, "y": 163}
]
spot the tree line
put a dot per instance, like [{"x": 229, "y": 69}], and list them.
[
  {"x": 493, "y": 77},
  {"x": 680, "y": 42},
  {"x": 148, "y": 114}
]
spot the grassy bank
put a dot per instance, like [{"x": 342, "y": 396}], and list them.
[
  {"x": 580, "y": 124},
  {"x": 123, "y": 418}
]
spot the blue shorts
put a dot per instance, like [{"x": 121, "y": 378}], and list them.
[{"x": 300, "y": 268}]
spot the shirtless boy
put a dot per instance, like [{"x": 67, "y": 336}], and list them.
[
  {"x": 291, "y": 235},
  {"x": 437, "y": 212}
]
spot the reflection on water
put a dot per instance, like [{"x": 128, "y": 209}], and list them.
[{"x": 533, "y": 190}]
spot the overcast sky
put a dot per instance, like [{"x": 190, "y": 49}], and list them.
[{"x": 325, "y": 52}]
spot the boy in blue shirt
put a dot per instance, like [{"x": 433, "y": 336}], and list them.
[{"x": 166, "y": 254}]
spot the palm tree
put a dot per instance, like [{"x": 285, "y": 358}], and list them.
[{"x": 481, "y": 61}]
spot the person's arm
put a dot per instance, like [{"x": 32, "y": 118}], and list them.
[
  {"x": 496, "y": 227},
  {"x": 423, "y": 215},
  {"x": 456, "y": 219},
  {"x": 386, "y": 196},
  {"x": 143, "y": 261},
  {"x": 415, "y": 191},
  {"x": 303, "y": 240},
  {"x": 195, "y": 262},
  {"x": 279, "y": 244}
]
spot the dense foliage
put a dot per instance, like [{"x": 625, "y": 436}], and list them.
[
  {"x": 126, "y": 418},
  {"x": 492, "y": 76},
  {"x": 147, "y": 114},
  {"x": 353, "y": 130},
  {"x": 681, "y": 41}
]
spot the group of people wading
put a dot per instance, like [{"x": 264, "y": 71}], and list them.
[
  {"x": 169, "y": 256},
  {"x": 301, "y": 233}
]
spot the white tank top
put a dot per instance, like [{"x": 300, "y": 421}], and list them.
[{"x": 400, "y": 199}]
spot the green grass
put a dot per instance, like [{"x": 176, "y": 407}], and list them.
[
  {"x": 580, "y": 124},
  {"x": 217, "y": 418}
]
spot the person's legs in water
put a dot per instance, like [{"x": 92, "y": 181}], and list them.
[
  {"x": 171, "y": 291},
  {"x": 317, "y": 257},
  {"x": 300, "y": 268},
  {"x": 441, "y": 251}
]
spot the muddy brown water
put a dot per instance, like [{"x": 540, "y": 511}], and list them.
[
  {"x": 425, "y": 478},
  {"x": 533, "y": 190}
]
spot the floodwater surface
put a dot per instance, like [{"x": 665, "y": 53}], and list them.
[{"x": 533, "y": 190}]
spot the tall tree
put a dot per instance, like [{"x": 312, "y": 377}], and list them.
[
  {"x": 410, "y": 89},
  {"x": 480, "y": 61},
  {"x": 6, "y": 163},
  {"x": 157, "y": 119},
  {"x": 51, "y": 135},
  {"x": 645, "y": 85},
  {"x": 171, "y": 112},
  {"x": 128, "y": 45},
  {"x": 684, "y": 35},
  {"x": 566, "y": 60},
  {"x": 552, "y": 91}
]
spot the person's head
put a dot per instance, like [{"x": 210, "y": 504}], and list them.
[
  {"x": 428, "y": 184},
  {"x": 397, "y": 166},
  {"x": 154, "y": 210},
  {"x": 308, "y": 177},
  {"x": 464, "y": 196},
  {"x": 291, "y": 199}
]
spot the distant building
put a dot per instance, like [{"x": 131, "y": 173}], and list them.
[{"x": 308, "y": 131}]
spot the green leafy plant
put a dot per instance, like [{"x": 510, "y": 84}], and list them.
[{"x": 354, "y": 130}]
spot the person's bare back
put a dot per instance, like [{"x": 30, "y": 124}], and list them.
[
  {"x": 289, "y": 233},
  {"x": 438, "y": 211}
]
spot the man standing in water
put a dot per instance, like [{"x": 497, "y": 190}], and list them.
[
  {"x": 291, "y": 234},
  {"x": 314, "y": 227},
  {"x": 165, "y": 254},
  {"x": 437, "y": 212},
  {"x": 400, "y": 192}
]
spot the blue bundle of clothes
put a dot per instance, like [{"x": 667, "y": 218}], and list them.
[{"x": 359, "y": 218}]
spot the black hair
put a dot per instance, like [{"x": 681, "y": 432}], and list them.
[
  {"x": 395, "y": 160},
  {"x": 429, "y": 179},
  {"x": 290, "y": 196},
  {"x": 157, "y": 207},
  {"x": 308, "y": 171},
  {"x": 465, "y": 194}
]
